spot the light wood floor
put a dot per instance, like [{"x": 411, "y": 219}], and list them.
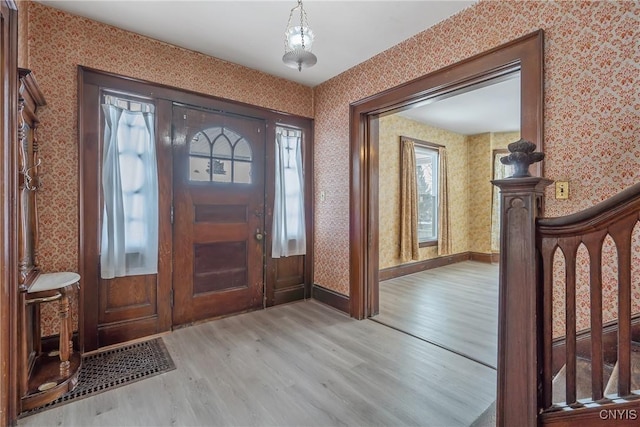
[
  {"x": 301, "y": 364},
  {"x": 455, "y": 306}
]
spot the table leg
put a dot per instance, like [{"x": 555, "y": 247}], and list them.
[{"x": 65, "y": 331}]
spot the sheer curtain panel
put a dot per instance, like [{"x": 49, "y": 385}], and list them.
[
  {"x": 289, "y": 233},
  {"x": 129, "y": 244}
]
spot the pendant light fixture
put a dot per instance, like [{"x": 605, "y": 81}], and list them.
[{"x": 298, "y": 39}]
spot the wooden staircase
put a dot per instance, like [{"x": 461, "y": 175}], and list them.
[
  {"x": 612, "y": 385},
  {"x": 584, "y": 376},
  {"x": 583, "y": 381}
]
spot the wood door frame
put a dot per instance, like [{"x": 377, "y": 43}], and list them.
[
  {"x": 165, "y": 96},
  {"x": 9, "y": 354},
  {"x": 524, "y": 54}
]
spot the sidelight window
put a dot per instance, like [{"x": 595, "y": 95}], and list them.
[
  {"x": 289, "y": 234},
  {"x": 129, "y": 244}
]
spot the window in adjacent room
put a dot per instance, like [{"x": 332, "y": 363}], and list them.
[{"x": 427, "y": 185}]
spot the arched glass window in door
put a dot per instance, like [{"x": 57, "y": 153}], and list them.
[{"x": 219, "y": 154}]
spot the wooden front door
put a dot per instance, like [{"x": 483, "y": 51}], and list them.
[{"x": 218, "y": 214}]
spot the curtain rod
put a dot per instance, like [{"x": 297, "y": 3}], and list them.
[{"x": 419, "y": 141}]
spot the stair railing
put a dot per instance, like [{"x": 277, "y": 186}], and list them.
[
  {"x": 525, "y": 330},
  {"x": 616, "y": 217}
]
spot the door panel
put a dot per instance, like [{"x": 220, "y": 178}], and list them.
[
  {"x": 218, "y": 214},
  {"x": 125, "y": 298}
]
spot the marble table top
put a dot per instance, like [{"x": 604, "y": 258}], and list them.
[{"x": 52, "y": 281}]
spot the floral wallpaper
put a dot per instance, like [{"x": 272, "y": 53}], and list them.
[
  {"x": 390, "y": 129},
  {"x": 57, "y": 42},
  {"x": 591, "y": 109}
]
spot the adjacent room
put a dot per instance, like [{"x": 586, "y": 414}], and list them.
[{"x": 439, "y": 281}]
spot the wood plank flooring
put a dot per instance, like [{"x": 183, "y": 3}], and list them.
[
  {"x": 455, "y": 306},
  {"x": 301, "y": 364}
]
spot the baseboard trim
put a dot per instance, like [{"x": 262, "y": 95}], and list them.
[
  {"x": 427, "y": 264},
  {"x": 331, "y": 298},
  {"x": 491, "y": 258},
  {"x": 287, "y": 295}
]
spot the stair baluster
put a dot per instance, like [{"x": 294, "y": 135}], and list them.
[{"x": 616, "y": 217}]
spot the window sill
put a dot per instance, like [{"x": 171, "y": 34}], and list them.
[{"x": 428, "y": 244}]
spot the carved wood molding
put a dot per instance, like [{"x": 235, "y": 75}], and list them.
[{"x": 30, "y": 99}]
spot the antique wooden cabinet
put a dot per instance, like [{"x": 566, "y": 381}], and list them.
[
  {"x": 30, "y": 99},
  {"x": 43, "y": 376}
]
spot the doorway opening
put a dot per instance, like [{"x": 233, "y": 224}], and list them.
[
  {"x": 523, "y": 55},
  {"x": 441, "y": 283}
]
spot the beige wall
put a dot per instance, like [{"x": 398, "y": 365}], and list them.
[
  {"x": 480, "y": 149},
  {"x": 500, "y": 140},
  {"x": 390, "y": 130},
  {"x": 480, "y": 174},
  {"x": 591, "y": 104}
]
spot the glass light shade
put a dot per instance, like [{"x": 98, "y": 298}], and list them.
[
  {"x": 299, "y": 58},
  {"x": 294, "y": 37}
]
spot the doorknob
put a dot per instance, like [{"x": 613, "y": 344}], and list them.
[{"x": 259, "y": 235}]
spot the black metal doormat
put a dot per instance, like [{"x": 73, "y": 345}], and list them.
[{"x": 114, "y": 368}]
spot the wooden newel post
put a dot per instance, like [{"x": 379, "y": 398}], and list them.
[{"x": 519, "y": 323}]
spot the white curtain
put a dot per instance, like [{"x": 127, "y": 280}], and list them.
[
  {"x": 289, "y": 234},
  {"x": 129, "y": 244}
]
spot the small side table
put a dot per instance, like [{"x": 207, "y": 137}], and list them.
[{"x": 46, "y": 384}]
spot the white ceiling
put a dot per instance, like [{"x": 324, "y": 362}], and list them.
[
  {"x": 494, "y": 108},
  {"x": 251, "y": 33}
]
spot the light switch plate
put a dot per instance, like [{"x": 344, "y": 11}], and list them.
[{"x": 562, "y": 189}]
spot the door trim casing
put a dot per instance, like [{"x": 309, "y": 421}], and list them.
[
  {"x": 524, "y": 54},
  {"x": 9, "y": 363}
]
